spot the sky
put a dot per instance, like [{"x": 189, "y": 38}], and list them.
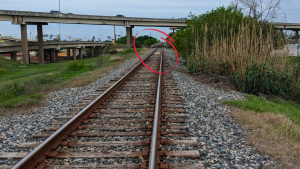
[{"x": 129, "y": 8}]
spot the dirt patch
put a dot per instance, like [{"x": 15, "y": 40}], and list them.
[{"x": 273, "y": 135}]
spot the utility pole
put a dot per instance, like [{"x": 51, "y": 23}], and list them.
[
  {"x": 114, "y": 34},
  {"x": 59, "y": 23},
  {"x": 100, "y": 31}
]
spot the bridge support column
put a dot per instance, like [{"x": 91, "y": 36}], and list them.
[
  {"x": 92, "y": 50},
  {"x": 80, "y": 53},
  {"x": 13, "y": 55},
  {"x": 25, "y": 56},
  {"x": 296, "y": 36},
  {"x": 56, "y": 55},
  {"x": 128, "y": 37},
  {"x": 40, "y": 43},
  {"x": 68, "y": 53},
  {"x": 74, "y": 53},
  {"x": 98, "y": 49},
  {"x": 103, "y": 49},
  {"x": 52, "y": 55}
]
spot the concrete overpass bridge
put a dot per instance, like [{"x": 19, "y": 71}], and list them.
[
  {"x": 24, "y": 18},
  {"x": 53, "y": 47},
  {"x": 289, "y": 26}
]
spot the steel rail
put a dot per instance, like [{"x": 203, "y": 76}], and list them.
[
  {"x": 35, "y": 158},
  {"x": 154, "y": 157}
]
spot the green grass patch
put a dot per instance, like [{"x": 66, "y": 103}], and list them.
[
  {"x": 78, "y": 66},
  {"x": 25, "y": 84},
  {"x": 128, "y": 51},
  {"x": 259, "y": 104}
]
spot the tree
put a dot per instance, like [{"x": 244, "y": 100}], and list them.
[
  {"x": 150, "y": 42},
  {"x": 264, "y": 10},
  {"x": 121, "y": 40}
]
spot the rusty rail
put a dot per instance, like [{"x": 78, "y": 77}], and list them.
[
  {"x": 47, "y": 148},
  {"x": 154, "y": 156}
]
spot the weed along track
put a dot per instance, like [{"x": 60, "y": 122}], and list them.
[{"x": 137, "y": 122}]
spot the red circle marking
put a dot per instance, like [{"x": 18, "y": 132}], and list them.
[{"x": 162, "y": 39}]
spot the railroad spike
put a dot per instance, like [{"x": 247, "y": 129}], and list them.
[
  {"x": 53, "y": 153},
  {"x": 64, "y": 142}
]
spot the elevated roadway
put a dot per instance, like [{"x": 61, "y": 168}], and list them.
[
  {"x": 24, "y": 18},
  {"x": 289, "y": 26},
  {"x": 53, "y": 47},
  {"x": 8, "y": 47}
]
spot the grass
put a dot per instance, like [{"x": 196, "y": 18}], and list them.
[
  {"x": 272, "y": 135},
  {"x": 259, "y": 104},
  {"x": 25, "y": 85},
  {"x": 116, "y": 58},
  {"x": 112, "y": 47},
  {"x": 273, "y": 127}
]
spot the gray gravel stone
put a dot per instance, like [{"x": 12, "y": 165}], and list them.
[{"x": 222, "y": 141}]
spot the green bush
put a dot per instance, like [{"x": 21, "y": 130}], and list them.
[
  {"x": 150, "y": 42},
  {"x": 138, "y": 44},
  {"x": 121, "y": 40},
  {"x": 12, "y": 90},
  {"x": 264, "y": 79},
  {"x": 77, "y": 66}
]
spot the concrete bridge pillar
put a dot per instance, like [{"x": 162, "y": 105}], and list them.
[
  {"x": 98, "y": 49},
  {"x": 129, "y": 37},
  {"x": 56, "y": 55},
  {"x": 80, "y": 53},
  {"x": 74, "y": 53},
  {"x": 25, "y": 54},
  {"x": 13, "y": 55},
  {"x": 52, "y": 55},
  {"x": 92, "y": 50},
  {"x": 40, "y": 43},
  {"x": 103, "y": 49},
  {"x": 296, "y": 36},
  {"x": 68, "y": 53}
]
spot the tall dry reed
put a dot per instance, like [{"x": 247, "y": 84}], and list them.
[{"x": 246, "y": 54}]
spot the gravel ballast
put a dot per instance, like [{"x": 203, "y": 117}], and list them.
[{"x": 222, "y": 142}]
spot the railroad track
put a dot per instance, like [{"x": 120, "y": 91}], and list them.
[{"x": 138, "y": 122}]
